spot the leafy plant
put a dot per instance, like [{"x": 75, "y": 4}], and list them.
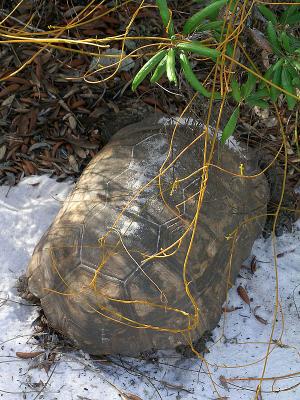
[
  {"x": 282, "y": 75},
  {"x": 285, "y": 70},
  {"x": 164, "y": 62}
]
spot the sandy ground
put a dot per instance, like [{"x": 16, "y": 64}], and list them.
[{"x": 241, "y": 342}]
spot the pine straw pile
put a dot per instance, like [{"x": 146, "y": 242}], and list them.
[{"x": 51, "y": 120}]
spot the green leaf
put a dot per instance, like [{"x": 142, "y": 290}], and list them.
[
  {"x": 273, "y": 39},
  {"x": 192, "y": 79},
  {"x": 210, "y": 26},
  {"x": 278, "y": 64},
  {"x": 198, "y": 48},
  {"x": 268, "y": 14},
  {"x": 267, "y": 76},
  {"x": 289, "y": 11},
  {"x": 235, "y": 90},
  {"x": 293, "y": 19},
  {"x": 296, "y": 64},
  {"x": 214, "y": 15},
  {"x": 232, "y": 5},
  {"x": 259, "y": 94},
  {"x": 170, "y": 66},
  {"x": 257, "y": 102},
  {"x": 248, "y": 86},
  {"x": 159, "y": 71},
  {"x": 147, "y": 68},
  {"x": 295, "y": 42},
  {"x": 293, "y": 72},
  {"x": 196, "y": 19},
  {"x": 231, "y": 125},
  {"x": 285, "y": 42},
  {"x": 274, "y": 93},
  {"x": 166, "y": 16},
  {"x": 296, "y": 82},
  {"x": 288, "y": 85},
  {"x": 229, "y": 50}
]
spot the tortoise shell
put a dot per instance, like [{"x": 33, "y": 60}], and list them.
[{"x": 121, "y": 269}]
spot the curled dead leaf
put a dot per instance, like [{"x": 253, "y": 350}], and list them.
[
  {"x": 37, "y": 146},
  {"x": 258, "y": 317}
]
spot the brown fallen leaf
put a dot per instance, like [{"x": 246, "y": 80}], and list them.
[
  {"x": 28, "y": 167},
  {"x": 260, "y": 40},
  {"x": 259, "y": 318},
  {"x": 77, "y": 104},
  {"x": 223, "y": 382},
  {"x": 12, "y": 152},
  {"x": 110, "y": 20},
  {"x": 253, "y": 265},
  {"x": 38, "y": 69},
  {"x": 32, "y": 119},
  {"x": 231, "y": 309},
  {"x": 55, "y": 148},
  {"x": 152, "y": 102},
  {"x": 9, "y": 89},
  {"x": 17, "y": 79},
  {"x": 22, "y": 124},
  {"x": 284, "y": 253},
  {"x": 130, "y": 396},
  {"x": 27, "y": 356},
  {"x": 243, "y": 294}
]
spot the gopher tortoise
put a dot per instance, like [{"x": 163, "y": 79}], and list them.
[{"x": 121, "y": 269}]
